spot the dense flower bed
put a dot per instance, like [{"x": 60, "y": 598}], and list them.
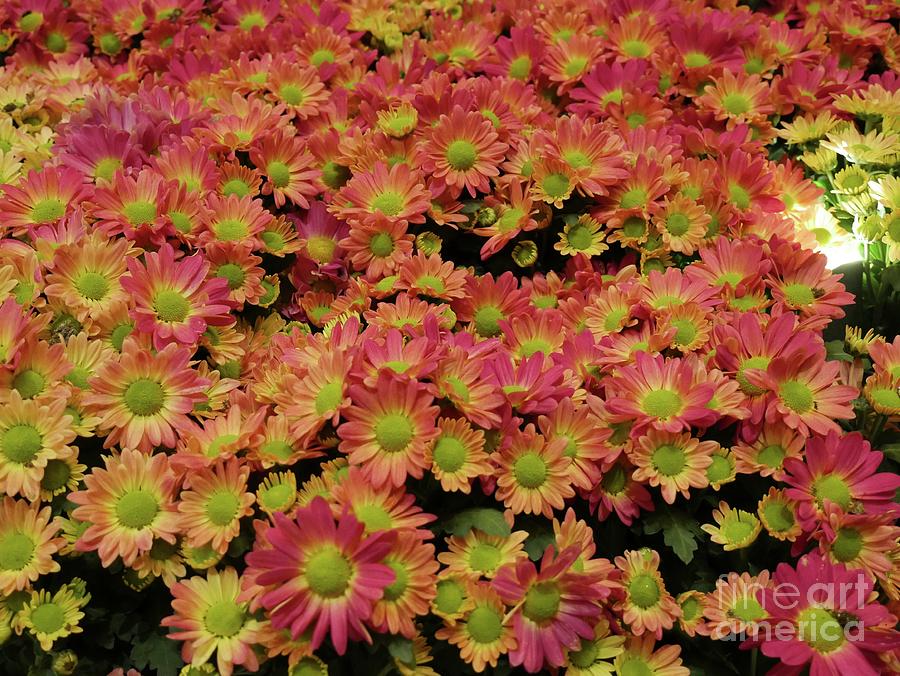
[{"x": 445, "y": 336}]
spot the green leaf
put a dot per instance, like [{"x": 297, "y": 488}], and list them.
[
  {"x": 159, "y": 653},
  {"x": 486, "y": 520},
  {"x": 537, "y": 543},
  {"x": 402, "y": 649},
  {"x": 834, "y": 351},
  {"x": 891, "y": 451},
  {"x": 891, "y": 276},
  {"x": 680, "y": 532}
]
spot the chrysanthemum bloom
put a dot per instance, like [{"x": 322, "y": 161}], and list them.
[
  {"x": 234, "y": 219},
  {"x": 824, "y": 598},
  {"x": 31, "y": 435},
  {"x": 142, "y": 398},
  {"x": 130, "y": 206},
  {"x": 489, "y": 300},
  {"x": 175, "y": 301},
  {"x": 747, "y": 183},
  {"x": 478, "y": 555},
  {"x": 396, "y": 193},
  {"x": 647, "y": 606},
  {"x": 693, "y": 606},
  {"x": 50, "y": 617},
  {"x": 319, "y": 397},
  {"x": 44, "y": 197},
  {"x": 210, "y": 618},
  {"x": 778, "y": 515},
  {"x": 840, "y": 469},
  {"x": 674, "y": 462},
  {"x": 800, "y": 282},
  {"x": 734, "y": 607},
  {"x": 859, "y": 540},
  {"x": 532, "y": 476},
  {"x": 320, "y": 576},
  {"x": 804, "y": 393},
  {"x": 387, "y": 429},
  {"x": 594, "y": 156},
  {"x": 594, "y": 656},
  {"x": 288, "y": 167},
  {"x": 212, "y": 509},
  {"x": 38, "y": 373},
  {"x": 463, "y": 151},
  {"x": 734, "y": 529},
  {"x": 480, "y": 634},
  {"x": 582, "y": 236},
  {"x": 378, "y": 246},
  {"x": 585, "y": 438},
  {"x": 766, "y": 455},
  {"x": 128, "y": 504},
  {"x": 661, "y": 393},
  {"x": 457, "y": 455},
  {"x": 28, "y": 541},
  {"x": 640, "y": 656},
  {"x": 431, "y": 277},
  {"x": 410, "y": 594}
]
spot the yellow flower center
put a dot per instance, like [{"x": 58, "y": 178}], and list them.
[
  {"x": 394, "y": 432},
  {"x": 462, "y": 155},
  {"x": 796, "y": 396},
  {"x": 668, "y": 460},
  {"x": 449, "y": 454},
  {"x": 484, "y": 625},
  {"x": 222, "y": 507},
  {"x": 662, "y": 404},
  {"x": 820, "y": 630},
  {"x": 16, "y": 551},
  {"x": 328, "y": 573}
]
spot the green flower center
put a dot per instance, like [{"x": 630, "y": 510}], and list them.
[
  {"x": 485, "y": 557},
  {"x": 748, "y": 609},
  {"x": 690, "y": 609},
  {"x": 720, "y": 470},
  {"x": 222, "y": 507},
  {"x": 885, "y": 397},
  {"x": 236, "y": 187},
  {"x": 696, "y": 60},
  {"x": 279, "y": 173},
  {"x": 799, "y": 294},
  {"x": 431, "y": 282},
  {"x": 669, "y": 460},
  {"x": 224, "y": 619},
  {"x": 575, "y": 66},
  {"x": 634, "y": 226},
  {"x": 21, "y": 443},
  {"x": 636, "y": 49},
  {"x": 635, "y": 120},
  {"x": 321, "y": 248},
  {"x": 291, "y": 94},
  {"x": 644, "y": 591},
  {"x": 778, "y": 516},
  {"x": 119, "y": 334},
  {"x": 335, "y": 175},
  {"x": 796, "y": 396},
  {"x": 542, "y": 602},
  {"x": 580, "y": 237},
  {"x": 677, "y": 224},
  {"x": 732, "y": 278},
  {"x": 231, "y": 229},
  {"x": 771, "y": 456},
  {"x": 636, "y": 197},
  {"x": 171, "y": 306},
  {"x": 56, "y": 42},
  {"x": 328, "y": 573},
  {"x": 585, "y": 656},
  {"x": 389, "y": 203},
  {"x": 144, "y": 397},
  {"x": 273, "y": 241},
  {"x": 137, "y": 509},
  {"x": 613, "y": 482},
  {"x": 92, "y": 285},
  {"x": 394, "y": 432},
  {"x": 56, "y": 475},
  {"x": 48, "y": 618},
  {"x": 486, "y": 320},
  {"x": 48, "y": 210},
  {"x": 29, "y": 383},
  {"x": 449, "y": 454},
  {"x": 530, "y": 470},
  {"x": 329, "y": 397},
  {"x": 181, "y": 221},
  {"x": 320, "y": 56},
  {"x": 106, "y": 168},
  {"x": 462, "y": 155},
  {"x": 834, "y": 488},
  {"x": 738, "y": 196},
  {"x": 16, "y": 551},
  {"x": 761, "y": 363},
  {"x": 738, "y": 527},
  {"x": 820, "y": 630},
  {"x": 847, "y": 545},
  {"x": 484, "y": 625},
  {"x": 633, "y": 665},
  {"x": 686, "y": 331},
  {"x": 234, "y": 273},
  {"x": 401, "y": 581},
  {"x": 31, "y": 21},
  {"x": 556, "y": 185},
  {"x": 530, "y": 347},
  {"x": 449, "y": 596},
  {"x": 661, "y": 404},
  {"x": 373, "y": 517},
  {"x": 520, "y": 68},
  {"x": 220, "y": 443},
  {"x": 252, "y": 20},
  {"x": 140, "y": 212},
  {"x": 278, "y": 496},
  {"x": 736, "y": 104},
  {"x": 509, "y": 219},
  {"x": 381, "y": 245}
]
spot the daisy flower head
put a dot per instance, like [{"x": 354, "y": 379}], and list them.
[
  {"x": 432, "y": 277},
  {"x": 734, "y": 528},
  {"x": 554, "y": 607},
  {"x": 379, "y": 246},
  {"x": 778, "y": 515},
  {"x": 463, "y": 151},
  {"x": 43, "y": 198},
  {"x": 647, "y": 605},
  {"x": 212, "y": 508},
  {"x": 532, "y": 473},
  {"x": 387, "y": 429},
  {"x": 143, "y": 398},
  {"x": 734, "y": 608},
  {"x": 581, "y": 236},
  {"x": 289, "y": 168},
  {"x": 665, "y": 394},
  {"x": 595, "y": 655},
  {"x": 234, "y": 219},
  {"x": 174, "y": 301},
  {"x": 395, "y": 193},
  {"x": 481, "y": 634},
  {"x": 210, "y": 617},
  {"x": 319, "y": 575},
  {"x": 32, "y": 435},
  {"x": 128, "y": 503},
  {"x": 478, "y": 555},
  {"x": 674, "y": 462},
  {"x": 859, "y": 540},
  {"x": 457, "y": 455},
  {"x": 130, "y": 206},
  {"x": 50, "y": 617},
  {"x": 28, "y": 541}
]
